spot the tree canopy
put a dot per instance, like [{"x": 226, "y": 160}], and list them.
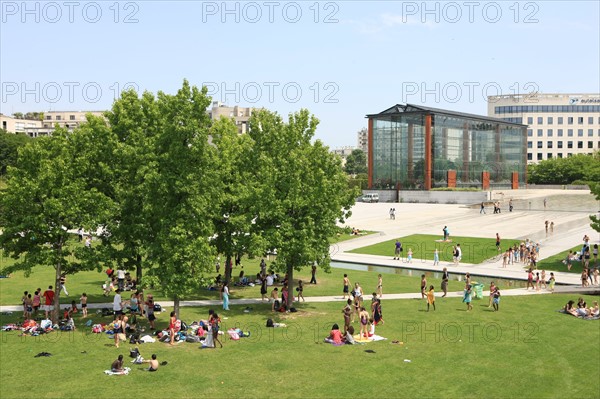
[
  {"x": 168, "y": 189},
  {"x": 356, "y": 162},
  {"x": 580, "y": 167},
  {"x": 9, "y": 145}
]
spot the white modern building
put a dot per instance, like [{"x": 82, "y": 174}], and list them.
[{"x": 559, "y": 125}]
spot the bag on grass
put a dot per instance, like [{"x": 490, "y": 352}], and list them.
[
  {"x": 157, "y": 307},
  {"x": 134, "y": 353}
]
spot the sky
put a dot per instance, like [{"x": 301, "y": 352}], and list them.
[{"x": 341, "y": 60}]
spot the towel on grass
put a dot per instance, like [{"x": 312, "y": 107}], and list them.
[
  {"x": 125, "y": 371},
  {"x": 372, "y": 338}
]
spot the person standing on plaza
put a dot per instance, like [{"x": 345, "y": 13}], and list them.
[
  {"x": 467, "y": 296},
  {"x": 313, "y": 273},
  {"x": 510, "y": 205},
  {"x": 49, "y": 300},
  {"x": 346, "y": 286},
  {"x": 398, "y": 250},
  {"x": 380, "y": 286},
  {"x": 430, "y": 298},
  {"x": 458, "y": 254},
  {"x": 545, "y": 203},
  {"x": 347, "y": 311},
  {"x": 409, "y": 255},
  {"x": 121, "y": 278},
  {"x": 498, "y": 242},
  {"x": 63, "y": 282},
  {"x": 482, "y": 210},
  {"x": 436, "y": 258},
  {"x": 543, "y": 281},
  {"x": 225, "y": 292},
  {"x": 117, "y": 303},
  {"x": 551, "y": 227},
  {"x": 530, "y": 279},
  {"x": 83, "y": 301},
  {"x": 552, "y": 282},
  {"x": 496, "y": 299},
  {"x": 492, "y": 289},
  {"x": 391, "y": 214},
  {"x": 445, "y": 278},
  {"x": 547, "y": 223}
]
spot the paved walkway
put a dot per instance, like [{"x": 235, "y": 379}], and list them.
[{"x": 569, "y": 228}]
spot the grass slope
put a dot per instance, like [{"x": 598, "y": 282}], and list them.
[{"x": 526, "y": 350}]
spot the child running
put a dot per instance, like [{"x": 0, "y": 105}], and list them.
[
  {"x": 467, "y": 297},
  {"x": 430, "y": 298},
  {"x": 496, "y": 299}
]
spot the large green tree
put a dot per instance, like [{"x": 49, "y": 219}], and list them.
[
  {"x": 235, "y": 234},
  {"x": 356, "y": 162},
  {"x": 580, "y": 167},
  {"x": 181, "y": 190},
  {"x": 302, "y": 190},
  {"x": 595, "y": 188},
  {"x": 52, "y": 190},
  {"x": 9, "y": 145}
]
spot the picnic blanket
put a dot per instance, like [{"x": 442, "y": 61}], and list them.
[
  {"x": 372, "y": 338},
  {"x": 579, "y": 317},
  {"x": 125, "y": 371}
]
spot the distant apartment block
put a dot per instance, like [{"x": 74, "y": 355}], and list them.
[
  {"x": 559, "y": 125},
  {"x": 37, "y": 128},
  {"x": 363, "y": 140},
  {"x": 240, "y": 115}
]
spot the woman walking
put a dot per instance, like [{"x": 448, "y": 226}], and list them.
[{"x": 225, "y": 292}]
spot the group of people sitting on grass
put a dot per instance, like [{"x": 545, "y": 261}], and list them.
[{"x": 581, "y": 310}]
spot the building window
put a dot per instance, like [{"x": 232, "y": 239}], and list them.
[
  {"x": 579, "y": 132},
  {"x": 549, "y": 144},
  {"x": 549, "y": 133},
  {"x": 540, "y": 132},
  {"x": 530, "y": 132},
  {"x": 559, "y": 144},
  {"x": 550, "y": 120},
  {"x": 530, "y": 120},
  {"x": 570, "y": 120},
  {"x": 539, "y": 157},
  {"x": 569, "y": 144},
  {"x": 530, "y": 144},
  {"x": 540, "y": 144},
  {"x": 549, "y": 155},
  {"x": 560, "y": 120},
  {"x": 570, "y": 132},
  {"x": 569, "y": 155},
  {"x": 590, "y": 144},
  {"x": 57, "y": 117},
  {"x": 540, "y": 120},
  {"x": 590, "y": 132},
  {"x": 529, "y": 156},
  {"x": 560, "y": 133},
  {"x": 580, "y": 120},
  {"x": 71, "y": 117},
  {"x": 559, "y": 155},
  {"x": 48, "y": 117},
  {"x": 590, "y": 120},
  {"x": 580, "y": 144}
]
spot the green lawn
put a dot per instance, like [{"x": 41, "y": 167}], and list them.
[
  {"x": 474, "y": 250},
  {"x": 527, "y": 350},
  {"x": 555, "y": 262}
]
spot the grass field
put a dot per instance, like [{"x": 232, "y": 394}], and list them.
[
  {"x": 474, "y": 250},
  {"x": 526, "y": 350}
]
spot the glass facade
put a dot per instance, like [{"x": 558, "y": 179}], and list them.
[{"x": 464, "y": 144}]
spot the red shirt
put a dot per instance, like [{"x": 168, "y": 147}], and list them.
[
  {"x": 336, "y": 336},
  {"x": 49, "y": 295}
]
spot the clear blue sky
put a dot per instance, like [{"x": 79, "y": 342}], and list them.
[{"x": 340, "y": 59}]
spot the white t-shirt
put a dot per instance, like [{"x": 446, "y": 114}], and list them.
[
  {"x": 459, "y": 251},
  {"x": 121, "y": 274},
  {"x": 117, "y": 303},
  {"x": 269, "y": 280}
]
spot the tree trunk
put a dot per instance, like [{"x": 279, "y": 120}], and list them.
[
  {"x": 176, "y": 305},
  {"x": 228, "y": 268},
  {"x": 290, "y": 273},
  {"x": 57, "y": 289},
  {"x": 138, "y": 270}
]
